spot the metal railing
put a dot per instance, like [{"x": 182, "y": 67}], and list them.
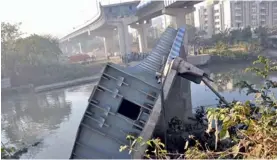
[{"x": 95, "y": 17}]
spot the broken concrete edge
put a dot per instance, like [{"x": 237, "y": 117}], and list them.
[{"x": 154, "y": 117}]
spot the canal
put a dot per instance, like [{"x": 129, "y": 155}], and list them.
[{"x": 52, "y": 118}]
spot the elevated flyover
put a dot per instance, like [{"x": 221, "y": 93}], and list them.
[
  {"x": 109, "y": 19},
  {"x": 116, "y": 18}
]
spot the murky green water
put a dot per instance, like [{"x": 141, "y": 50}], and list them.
[{"x": 52, "y": 118}]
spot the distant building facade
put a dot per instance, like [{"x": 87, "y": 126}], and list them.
[
  {"x": 254, "y": 13},
  {"x": 220, "y": 15}
]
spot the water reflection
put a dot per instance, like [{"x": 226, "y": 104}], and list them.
[
  {"x": 225, "y": 77},
  {"x": 26, "y": 118},
  {"x": 225, "y": 81},
  {"x": 86, "y": 89}
]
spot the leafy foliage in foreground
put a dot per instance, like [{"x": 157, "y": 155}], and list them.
[
  {"x": 7, "y": 151},
  {"x": 240, "y": 130}
]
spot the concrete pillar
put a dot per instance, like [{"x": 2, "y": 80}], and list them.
[
  {"x": 142, "y": 35},
  {"x": 123, "y": 36},
  {"x": 66, "y": 50},
  {"x": 270, "y": 15},
  {"x": 108, "y": 44},
  {"x": 73, "y": 50},
  {"x": 180, "y": 17},
  {"x": 179, "y": 101},
  {"x": 80, "y": 47}
]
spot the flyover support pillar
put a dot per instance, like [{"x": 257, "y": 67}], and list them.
[
  {"x": 180, "y": 17},
  {"x": 180, "y": 94},
  {"x": 123, "y": 35},
  {"x": 80, "y": 47},
  {"x": 142, "y": 35},
  {"x": 108, "y": 45},
  {"x": 66, "y": 50}
]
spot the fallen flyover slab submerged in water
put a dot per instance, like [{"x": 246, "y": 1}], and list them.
[{"x": 126, "y": 101}]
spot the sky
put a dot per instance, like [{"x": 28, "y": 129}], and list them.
[{"x": 55, "y": 17}]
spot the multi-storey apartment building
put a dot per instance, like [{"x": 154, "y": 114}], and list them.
[
  {"x": 253, "y": 13},
  {"x": 206, "y": 19},
  {"x": 220, "y": 15}
]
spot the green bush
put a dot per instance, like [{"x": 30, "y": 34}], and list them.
[{"x": 239, "y": 130}]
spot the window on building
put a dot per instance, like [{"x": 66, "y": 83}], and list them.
[
  {"x": 130, "y": 7},
  {"x": 238, "y": 18},
  {"x": 263, "y": 23},
  {"x": 254, "y": 23},
  {"x": 263, "y": 17},
  {"x": 263, "y": 11},
  {"x": 216, "y": 11},
  {"x": 262, "y": 3}
]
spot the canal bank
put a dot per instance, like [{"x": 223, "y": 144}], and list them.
[
  {"x": 240, "y": 58},
  {"x": 79, "y": 81},
  {"x": 31, "y": 88},
  {"x": 56, "y": 81}
]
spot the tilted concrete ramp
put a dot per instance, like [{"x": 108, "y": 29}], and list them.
[{"x": 126, "y": 101}]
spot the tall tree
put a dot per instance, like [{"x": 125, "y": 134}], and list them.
[
  {"x": 37, "y": 48},
  {"x": 18, "y": 51},
  {"x": 262, "y": 34},
  {"x": 9, "y": 34},
  {"x": 246, "y": 34}
]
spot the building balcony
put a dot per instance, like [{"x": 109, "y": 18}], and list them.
[
  {"x": 263, "y": 7},
  {"x": 262, "y": 20},
  {"x": 238, "y": 14},
  {"x": 263, "y": 13},
  {"x": 216, "y": 19},
  {"x": 238, "y": 20}
]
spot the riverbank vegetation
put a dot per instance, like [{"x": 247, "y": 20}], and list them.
[
  {"x": 236, "y": 43},
  {"x": 238, "y": 130},
  {"x": 35, "y": 59}
]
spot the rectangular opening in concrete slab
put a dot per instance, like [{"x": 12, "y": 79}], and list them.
[{"x": 129, "y": 109}]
